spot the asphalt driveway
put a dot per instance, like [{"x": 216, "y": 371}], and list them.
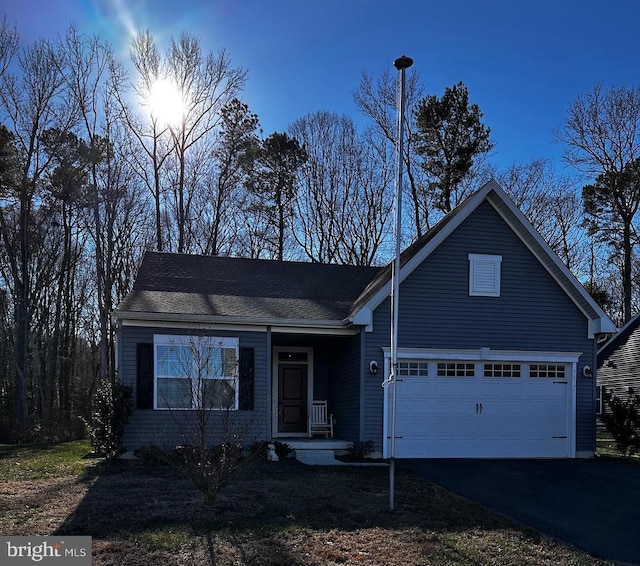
[{"x": 593, "y": 504}]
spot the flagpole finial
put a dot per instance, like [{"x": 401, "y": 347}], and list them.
[{"x": 403, "y": 62}]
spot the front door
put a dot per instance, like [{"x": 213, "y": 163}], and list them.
[{"x": 292, "y": 398}]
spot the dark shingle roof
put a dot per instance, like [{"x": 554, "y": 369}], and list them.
[{"x": 246, "y": 288}]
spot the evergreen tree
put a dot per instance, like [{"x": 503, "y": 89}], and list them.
[{"x": 450, "y": 137}]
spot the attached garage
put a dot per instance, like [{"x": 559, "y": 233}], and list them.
[{"x": 482, "y": 404}]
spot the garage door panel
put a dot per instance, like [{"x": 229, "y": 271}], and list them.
[{"x": 482, "y": 417}]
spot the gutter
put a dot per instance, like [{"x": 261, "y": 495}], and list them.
[{"x": 133, "y": 318}]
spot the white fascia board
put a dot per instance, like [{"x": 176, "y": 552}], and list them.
[
  {"x": 176, "y": 320},
  {"x": 603, "y": 323},
  {"x": 429, "y": 247},
  {"x": 344, "y": 331},
  {"x": 619, "y": 331},
  {"x": 488, "y": 354},
  {"x": 364, "y": 317}
]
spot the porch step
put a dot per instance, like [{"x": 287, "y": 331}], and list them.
[
  {"x": 317, "y": 451},
  {"x": 317, "y": 457}
]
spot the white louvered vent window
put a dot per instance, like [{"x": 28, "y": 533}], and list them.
[{"x": 484, "y": 275}]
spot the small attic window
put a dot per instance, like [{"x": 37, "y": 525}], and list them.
[{"x": 484, "y": 275}]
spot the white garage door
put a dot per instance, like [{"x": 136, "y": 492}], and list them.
[{"x": 482, "y": 409}]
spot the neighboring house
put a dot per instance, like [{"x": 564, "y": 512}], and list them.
[
  {"x": 619, "y": 363},
  {"x": 496, "y": 342}
]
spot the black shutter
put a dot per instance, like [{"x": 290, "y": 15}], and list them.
[
  {"x": 144, "y": 396},
  {"x": 246, "y": 379}
]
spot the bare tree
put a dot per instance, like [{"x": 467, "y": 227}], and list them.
[
  {"x": 205, "y": 83},
  {"x": 148, "y": 150},
  {"x": 368, "y": 225},
  {"x": 87, "y": 62},
  {"x": 602, "y": 139},
  {"x": 236, "y": 143},
  {"x": 552, "y": 206},
  {"x": 31, "y": 101},
  {"x": 378, "y": 100},
  {"x": 345, "y": 189}
]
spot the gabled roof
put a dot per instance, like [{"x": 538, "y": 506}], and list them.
[
  {"x": 206, "y": 288},
  {"x": 188, "y": 288},
  {"x": 416, "y": 253},
  {"x": 623, "y": 334}
]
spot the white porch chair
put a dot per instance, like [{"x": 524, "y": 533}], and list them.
[{"x": 321, "y": 422}]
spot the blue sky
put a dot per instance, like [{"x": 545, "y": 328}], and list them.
[{"x": 523, "y": 62}]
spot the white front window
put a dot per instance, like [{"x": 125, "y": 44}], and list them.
[
  {"x": 195, "y": 372},
  {"x": 484, "y": 275}
]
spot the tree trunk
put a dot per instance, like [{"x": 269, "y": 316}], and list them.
[{"x": 626, "y": 271}]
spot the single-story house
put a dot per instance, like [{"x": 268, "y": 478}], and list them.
[
  {"x": 496, "y": 343},
  {"x": 619, "y": 363}
]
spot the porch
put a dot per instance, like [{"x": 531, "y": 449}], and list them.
[{"x": 308, "y": 369}]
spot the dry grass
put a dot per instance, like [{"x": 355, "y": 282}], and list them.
[
  {"x": 272, "y": 514},
  {"x": 606, "y": 447}
]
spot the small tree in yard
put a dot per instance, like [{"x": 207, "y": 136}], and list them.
[
  {"x": 623, "y": 422},
  {"x": 204, "y": 380},
  {"x": 112, "y": 407}
]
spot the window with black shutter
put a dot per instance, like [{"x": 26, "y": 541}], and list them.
[
  {"x": 144, "y": 383},
  {"x": 246, "y": 379}
]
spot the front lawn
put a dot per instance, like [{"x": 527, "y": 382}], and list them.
[
  {"x": 273, "y": 514},
  {"x": 40, "y": 461}
]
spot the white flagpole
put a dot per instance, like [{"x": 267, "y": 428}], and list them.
[{"x": 401, "y": 63}]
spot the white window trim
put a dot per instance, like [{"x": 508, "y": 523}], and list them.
[
  {"x": 187, "y": 340},
  {"x": 599, "y": 399},
  {"x": 476, "y": 288},
  {"x": 485, "y": 354},
  {"x": 275, "y": 363},
  {"x": 480, "y": 356}
]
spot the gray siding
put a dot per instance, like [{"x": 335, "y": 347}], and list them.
[
  {"x": 344, "y": 390},
  {"x": 170, "y": 428},
  {"x": 532, "y": 313},
  {"x": 373, "y": 391},
  {"x": 619, "y": 362}
]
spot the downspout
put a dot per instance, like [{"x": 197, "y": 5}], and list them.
[
  {"x": 363, "y": 344},
  {"x": 269, "y": 407}
]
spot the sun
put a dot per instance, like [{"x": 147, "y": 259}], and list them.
[{"x": 165, "y": 100}]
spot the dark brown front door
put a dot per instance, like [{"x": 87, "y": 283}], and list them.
[{"x": 292, "y": 398}]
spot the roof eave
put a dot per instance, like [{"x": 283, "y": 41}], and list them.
[
  {"x": 598, "y": 324},
  {"x": 198, "y": 319}
]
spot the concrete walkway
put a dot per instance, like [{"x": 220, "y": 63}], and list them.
[{"x": 592, "y": 504}]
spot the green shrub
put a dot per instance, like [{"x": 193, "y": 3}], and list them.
[
  {"x": 151, "y": 454},
  {"x": 622, "y": 420},
  {"x": 111, "y": 408},
  {"x": 282, "y": 449},
  {"x": 362, "y": 449}
]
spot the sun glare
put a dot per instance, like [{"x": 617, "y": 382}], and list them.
[{"x": 166, "y": 102}]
